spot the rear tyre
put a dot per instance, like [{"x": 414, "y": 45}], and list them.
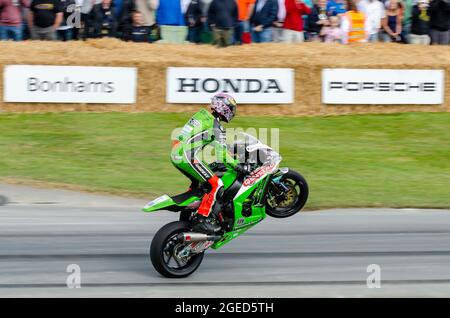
[
  {"x": 293, "y": 199},
  {"x": 164, "y": 248}
]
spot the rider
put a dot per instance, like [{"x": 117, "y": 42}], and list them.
[{"x": 202, "y": 129}]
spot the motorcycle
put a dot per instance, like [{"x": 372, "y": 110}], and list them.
[{"x": 258, "y": 189}]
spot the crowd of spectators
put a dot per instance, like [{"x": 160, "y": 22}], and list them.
[{"x": 228, "y": 22}]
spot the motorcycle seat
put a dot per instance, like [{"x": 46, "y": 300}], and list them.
[{"x": 180, "y": 198}]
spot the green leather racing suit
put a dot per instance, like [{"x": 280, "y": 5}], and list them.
[{"x": 201, "y": 130}]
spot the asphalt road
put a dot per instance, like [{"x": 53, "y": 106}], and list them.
[{"x": 313, "y": 254}]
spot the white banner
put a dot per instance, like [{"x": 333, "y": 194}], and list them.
[
  {"x": 69, "y": 84},
  {"x": 385, "y": 87},
  {"x": 246, "y": 85}
]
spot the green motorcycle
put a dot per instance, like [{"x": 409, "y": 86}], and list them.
[{"x": 266, "y": 189}]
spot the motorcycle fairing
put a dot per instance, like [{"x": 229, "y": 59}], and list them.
[{"x": 175, "y": 204}]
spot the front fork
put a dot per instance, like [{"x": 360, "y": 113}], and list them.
[{"x": 277, "y": 185}]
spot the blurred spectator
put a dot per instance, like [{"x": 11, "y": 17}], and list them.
[
  {"x": 374, "y": 12},
  {"x": 25, "y": 12},
  {"x": 309, "y": 4},
  {"x": 11, "y": 19},
  {"x": 65, "y": 30},
  {"x": 148, "y": 8},
  {"x": 278, "y": 29},
  {"x": 223, "y": 17},
  {"x": 107, "y": 20},
  {"x": 92, "y": 27},
  {"x": 205, "y": 7},
  {"x": 242, "y": 31},
  {"x": 89, "y": 10},
  {"x": 293, "y": 24},
  {"x": 139, "y": 31},
  {"x": 262, "y": 19},
  {"x": 117, "y": 4},
  {"x": 336, "y": 7},
  {"x": 194, "y": 20},
  {"x": 406, "y": 7},
  {"x": 420, "y": 27},
  {"x": 331, "y": 31},
  {"x": 169, "y": 13},
  {"x": 44, "y": 18},
  {"x": 233, "y": 21},
  {"x": 354, "y": 26},
  {"x": 206, "y": 32},
  {"x": 78, "y": 30},
  {"x": 184, "y": 6},
  {"x": 317, "y": 19},
  {"x": 392, "y": 22},
  {"x": 125, "y": 19},
  {"x": 440, "y": 22}
]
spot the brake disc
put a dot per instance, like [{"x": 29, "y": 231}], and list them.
[{"x": 290, "y": 196}]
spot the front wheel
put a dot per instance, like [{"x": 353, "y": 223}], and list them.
[
  {"x": 287, "y": 195},
  {"x": 165, "y": 248}
]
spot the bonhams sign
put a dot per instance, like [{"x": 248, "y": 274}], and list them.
[
  {"x": 247, "y": 85},
  {"x": 382, "y": 86},
  {"x": 69, "y": 84}
]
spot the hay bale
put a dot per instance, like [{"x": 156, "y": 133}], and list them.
[{"x": 152, "y": 60}]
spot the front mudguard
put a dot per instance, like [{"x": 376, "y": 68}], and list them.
[{"x": 280, "y": 172}]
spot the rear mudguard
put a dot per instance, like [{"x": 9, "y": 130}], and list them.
[
  {"x": 165, "y": 202},
  {"x": 162, "y": 202}
]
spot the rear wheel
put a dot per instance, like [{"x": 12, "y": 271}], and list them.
[
  {"x": 287, "y": 196},
  {"x": 165, "y": 248}
]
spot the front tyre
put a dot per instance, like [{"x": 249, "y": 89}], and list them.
[
  {"x": 164, "y": 248},
  {"x": 287, "y": 195}
]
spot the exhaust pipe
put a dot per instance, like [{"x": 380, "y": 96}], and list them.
[{"x": 199, "y": 237}]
